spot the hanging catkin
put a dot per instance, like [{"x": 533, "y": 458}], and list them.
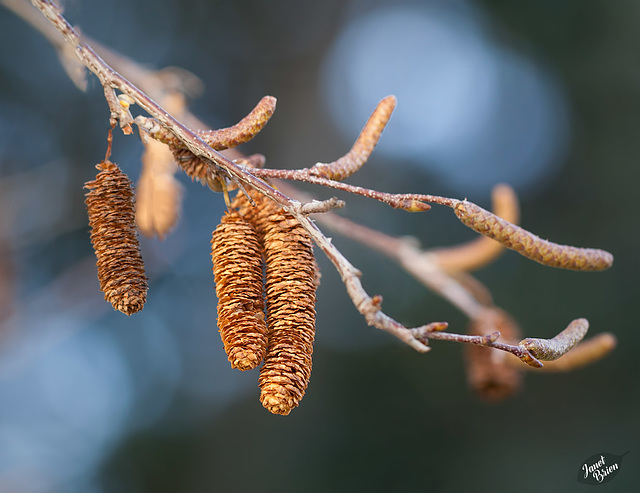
[
  {"x": 290, "y": 289},
  {"x": 110, "y": 207},
  {"x": 237, "y": 268}
]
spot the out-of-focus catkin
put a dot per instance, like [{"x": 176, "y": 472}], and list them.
[
  {"x": 488, "y": 371},
  {"x": 290, "y": 289},
  {"x": 111, "y": 211},
  {"x": 237, "y": 268}
]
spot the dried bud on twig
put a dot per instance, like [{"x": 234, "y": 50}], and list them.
[
  {"x": 489, "y": 373},
  {"x": 362, "y": 148},
  {"x": 290, "y": 288},
  {"x": 550, "y": 349},
  {"x": 237, "y": 268},
  {"x": 528, "y": 244},
  {"x": 111, "y": 213}
]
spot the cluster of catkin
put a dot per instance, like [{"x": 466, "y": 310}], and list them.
[{"x": 263, "y": 261}]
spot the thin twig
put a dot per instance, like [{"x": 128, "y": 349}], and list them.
[
  {"x": 412, "y": 202},
  {"x": 369, "y": 307},
  {"x": 110, "y": 78}
]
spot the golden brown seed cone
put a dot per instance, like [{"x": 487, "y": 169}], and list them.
[
  {"x": 488, "y": 371},
  {"x": 111, "y": 211},
  {"x": 290, "y": 288},
  {"x": 237, "y": 266}
]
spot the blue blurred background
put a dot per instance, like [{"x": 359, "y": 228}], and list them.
[{"x": 542, "y": 95}]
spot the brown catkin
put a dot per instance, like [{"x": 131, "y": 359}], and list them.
[
  {"x": 585, "y": 353},
  {"x": 290, "y": 288},
  {"x": 551, "y": 349},
  {"x": 530, "y": 245},
  {"x": 237, "y": 268},
  {"x": 111, "y": 211},
  {"x": 363, "y": 146},
  {"x": 225, "y": 138},
  {"x": 243, "y": 131}
]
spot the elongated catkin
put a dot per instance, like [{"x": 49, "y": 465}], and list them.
[
  {"x": 290, "y": 289},
  {"x": 237, "y": 266},
  {"x": 111, "y": 211},
  {"x": 530, "y": 245},
  {"x": 225, "y": 138},
  {"x": 551, "y": 349},
  {"x": 363, "y": 146}
]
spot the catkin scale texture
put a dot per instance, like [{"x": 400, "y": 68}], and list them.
[
  {"x": 111, "y": 211},
  {"x": 552, "y": 349},
  {"x": 362, "y": 148},
  {"x": 225, "y": 138},
  {"x": 529, "y": 245},
  {"x": 237, "y": 266},
  {"x": 290, "y": 290}
]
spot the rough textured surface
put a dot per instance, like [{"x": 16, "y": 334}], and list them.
[
  {"x": 111, "y": 211},
  {"x": 224, "y": 138},
  {"x": 363, "y": 146},
  {"x": 237, "y": 267},
  {"x": 243, "y": 131},
  {"x": 530, "y": 245},
  {"x": 551, "y": 349},
  {"x": 290, "y": 289}
]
